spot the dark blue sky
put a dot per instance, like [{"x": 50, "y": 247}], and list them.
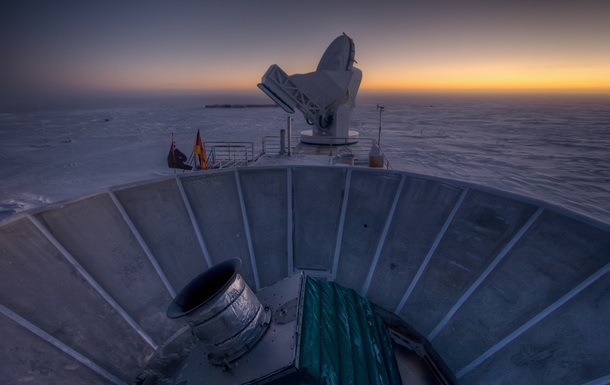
[{"x": 206, "y": 45}]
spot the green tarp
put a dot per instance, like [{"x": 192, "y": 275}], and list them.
[{"x": 343, "y": 340}]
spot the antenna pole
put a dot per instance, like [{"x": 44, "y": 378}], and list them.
[{"x": 380, "y": 108}]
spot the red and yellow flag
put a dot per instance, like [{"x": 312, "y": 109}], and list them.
[{"x": 199, "y": 152}]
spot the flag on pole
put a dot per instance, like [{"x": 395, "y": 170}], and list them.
[
  {"x": 172, "y": 147},
  {"x": 175, "y": 158},
  {"x": 171, "y": 157},
  {"x": 199, "y": 152}
]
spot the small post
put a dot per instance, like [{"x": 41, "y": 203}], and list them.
[
  {"x": 376, "y": 156},
  {"x": 380, "y": 108}
]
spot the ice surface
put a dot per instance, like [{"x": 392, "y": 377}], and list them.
[{"x": 550, "y": 148}]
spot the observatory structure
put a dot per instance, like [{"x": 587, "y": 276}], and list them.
[
  {"x": 326, "y": 96},
  {"x": 450, "y": 282},
  {"x": 505, "y": 289}
]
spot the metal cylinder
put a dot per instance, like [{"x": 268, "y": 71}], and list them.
[{"x": 222, "y": 312}]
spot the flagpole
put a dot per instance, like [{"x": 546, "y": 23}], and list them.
[
  {"x": 199, "y": 151},
  {"x": 173, "y": 153}
]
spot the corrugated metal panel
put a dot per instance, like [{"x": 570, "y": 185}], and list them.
[{"x": 343, "y": 340}]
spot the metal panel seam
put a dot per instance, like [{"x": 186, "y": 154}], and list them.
[
  {"x": 289, "y": 224},
  {"x": 523, "y": 328},
  {"x": 435, "y": 244},
  {"x": 600, "y": 381},
  {"x": 96, "y": 286},
  {"x": 143, "y": 244},
  {"x": 485, "y": 273},
  {"x": 244, "y": 216},
  {"x": 341, "y": 226},
  {"x": 189, "y": 209},
  {"x": 382, "y": 238},
  {"x": 60, "y": 345}
]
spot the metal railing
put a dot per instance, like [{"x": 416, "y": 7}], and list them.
[
  {"x": 236, "y": 154},
  {"x": 230, "y": 154},
  {"x": 360, "y": 150}
]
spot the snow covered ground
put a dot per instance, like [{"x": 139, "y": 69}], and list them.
[{"x": 551, "y": 148}]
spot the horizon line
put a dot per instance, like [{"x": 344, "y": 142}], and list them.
[{"x": 255, "y": 90}]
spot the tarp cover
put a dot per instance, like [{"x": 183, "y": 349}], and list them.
[{"x": 343, "y": 341}]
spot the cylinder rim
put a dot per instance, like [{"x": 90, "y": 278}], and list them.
[{"x": 181, "y": 305}]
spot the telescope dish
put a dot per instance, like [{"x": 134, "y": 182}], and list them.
[
  {"x": 325, "y": 97},
  {"x": 339, "y": 56}
]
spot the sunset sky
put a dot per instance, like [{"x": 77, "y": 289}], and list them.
[{"x": 229, "y": 44}]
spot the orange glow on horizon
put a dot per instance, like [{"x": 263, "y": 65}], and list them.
[
  {"x": 430, "y": 79},
  {"x": 481, "y": 86},
  {"x": 375, "y": 85},
  {"x": 499, "y": 82}
]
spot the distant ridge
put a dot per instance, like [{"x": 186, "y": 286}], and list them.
[{"x": 239, "y": 105}]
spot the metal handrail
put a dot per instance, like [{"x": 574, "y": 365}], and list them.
[
  {"x": 232, "y": 154},
  {"x": 360, "y": 150}
]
